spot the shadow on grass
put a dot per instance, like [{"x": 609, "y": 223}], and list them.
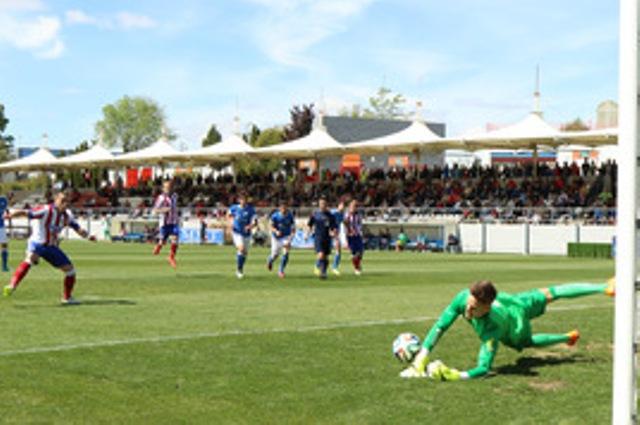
[
  {"x": 526, "y": 366},
  {"x": 106, "y": 302}
]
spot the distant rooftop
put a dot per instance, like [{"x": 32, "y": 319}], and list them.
[{"x": 351, "y": 130}]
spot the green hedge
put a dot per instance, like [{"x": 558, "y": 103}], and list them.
[{"x": 591, "y": 250}]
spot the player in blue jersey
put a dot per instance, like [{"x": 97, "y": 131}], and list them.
[
  {"x": 4, "y": 241},
  {"x": 243, "y": 219},
  {"x": 283, "y": 226},
  {"x": 338, "y": 215},
  {"x": 325, "y": 230}
]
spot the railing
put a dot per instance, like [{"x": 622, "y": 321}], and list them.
[{"x": 595, "y": 215}]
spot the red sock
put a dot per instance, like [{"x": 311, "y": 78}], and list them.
[
  {"x": 19, "y": 274},
  {"x": 69, "y": 283},
  {"x": 157, "y": 248},
  {"x": 174, "y": 249},
  {"x": 354, "y": 261},
  {"x": 358, "y": 262}
]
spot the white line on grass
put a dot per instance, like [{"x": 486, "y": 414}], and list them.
[{"x": 246, "y": 332}]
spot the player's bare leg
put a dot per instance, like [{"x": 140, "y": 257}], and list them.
[{"x": 20, "y": 273}]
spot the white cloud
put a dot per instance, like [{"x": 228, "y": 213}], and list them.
[
  {"x": 287, "y": 29},
  {"x": 128, "y": 20},
  {"x": 121, "y": 20},
  {"x": 76, "y": 16},
  {"x": 21, "y": 5},
  {"x": 39, "y": 35}
]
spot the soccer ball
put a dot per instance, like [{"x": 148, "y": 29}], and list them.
[{"x": 406, "y": 346}]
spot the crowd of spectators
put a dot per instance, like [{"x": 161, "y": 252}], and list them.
[{"x": 505, "y": 190}]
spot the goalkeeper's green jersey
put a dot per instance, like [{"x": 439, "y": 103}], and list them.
[{"x": 507, "y": 322}]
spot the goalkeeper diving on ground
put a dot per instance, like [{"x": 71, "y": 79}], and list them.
[{"x": 497, "y": 317}]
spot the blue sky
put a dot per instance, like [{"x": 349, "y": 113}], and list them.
[{"x": 470, "y": 62}]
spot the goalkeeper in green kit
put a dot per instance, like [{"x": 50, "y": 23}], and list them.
[{"x": 497, "y": 317}]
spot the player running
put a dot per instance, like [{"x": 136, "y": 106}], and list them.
[
  {"x": 166, "y": 206},
  {"x": 323, "y": 224},
  {"x": 283, "y": 226},
  {"x": 4, "y": 241},
  {"x": 353, "y": 229},
  {"x": 338, "y": 215},
  {"x": 499, "y": 317},
  {"x": 47, "y": 221},
  {"x": 243, "y": 219}
]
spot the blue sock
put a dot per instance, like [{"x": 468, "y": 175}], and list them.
[
  {"x": 240, "y": 259},
  {"x": 318, "y": 263},
  {"x": 336, "y": 261},
  {"x": 269, "y": 260},
  {"x": 283, "y": 262},
  {"x": 5, "y": 259}
]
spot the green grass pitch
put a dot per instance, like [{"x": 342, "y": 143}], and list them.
[{"x": 152, "y": 345}]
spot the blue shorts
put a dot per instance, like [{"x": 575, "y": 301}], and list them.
[
  {"x": 52, "y": 254},
  {"x": 323, "y": 245},
  {"x": 356, "y": 244},
  {"x": 169, "y": 230}
]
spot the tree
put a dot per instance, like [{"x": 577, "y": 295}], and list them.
[
  {"x": 386, "y": 105},
  {"x": 383, "y": 105},
  {"x": 252, "y": 136},
  {"x": 6, "y": 141},
  {"x": 575, "y": 125},
  {"x": 354, "y": 112},
  {"x": 85, "y": 145},
  {"x": 268, "y": 137},
  {"x": 132, "y": 123},
  {"x": 301, "y": 122},
  {"x": 213, "y": 136}
]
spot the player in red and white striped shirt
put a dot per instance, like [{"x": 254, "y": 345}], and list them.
[
  {"x": 166, "y": 206},
  {"x": 353, "y": 228},
  {"x": 47, "y": 221}
]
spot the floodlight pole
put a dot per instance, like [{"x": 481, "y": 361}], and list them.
[{"x": 624, "y": 360}]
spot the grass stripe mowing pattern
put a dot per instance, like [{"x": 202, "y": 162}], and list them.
[{"x": 329, "y": 361}]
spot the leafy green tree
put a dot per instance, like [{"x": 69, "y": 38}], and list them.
[
  {"x": 6, "y": 141},
  {"x": 132, "y": 123},
  {"x": 85, "y": 145},
  {"x": 386, "y": 105},
  {"x": 268, "y": 137},
  {"x": 213, "y": 136},
  {"x": 575, "y": 125},
  {"x": 252, "y": 136}
]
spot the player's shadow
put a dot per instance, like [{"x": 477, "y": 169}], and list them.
[
  {"x": 107, "y": 302},
  {"x": 526, "y": 366}
]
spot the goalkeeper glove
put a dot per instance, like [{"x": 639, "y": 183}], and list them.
[
  {"x": 418, "y": 366},
  {"x": 441, "y": 372}
]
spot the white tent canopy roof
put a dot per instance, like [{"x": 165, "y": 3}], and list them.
[
  {"x": 95, "y": 155},
  {"x": 229, "y": 147},
  {"x": 603, "y": 136},
  {"x": 527, "y": 133},
  {"x": 160, "y": 151},
  {"x": 39, "y": 160},
  {"x": 417, "y": 136},
  {"x": 316, "y": 143}
]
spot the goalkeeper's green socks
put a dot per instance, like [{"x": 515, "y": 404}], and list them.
[
  {"x": 574, "y": 290},
  {"x": 544, "y": 340}
]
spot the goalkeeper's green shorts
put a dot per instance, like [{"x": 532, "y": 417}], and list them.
[{"x": 535, "y": 303}]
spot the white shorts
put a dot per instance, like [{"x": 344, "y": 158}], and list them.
[
  {"x": 3, "y": 235},
  {"x": 278, "y": 243},
  {"x": 239, "y": 240}
]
